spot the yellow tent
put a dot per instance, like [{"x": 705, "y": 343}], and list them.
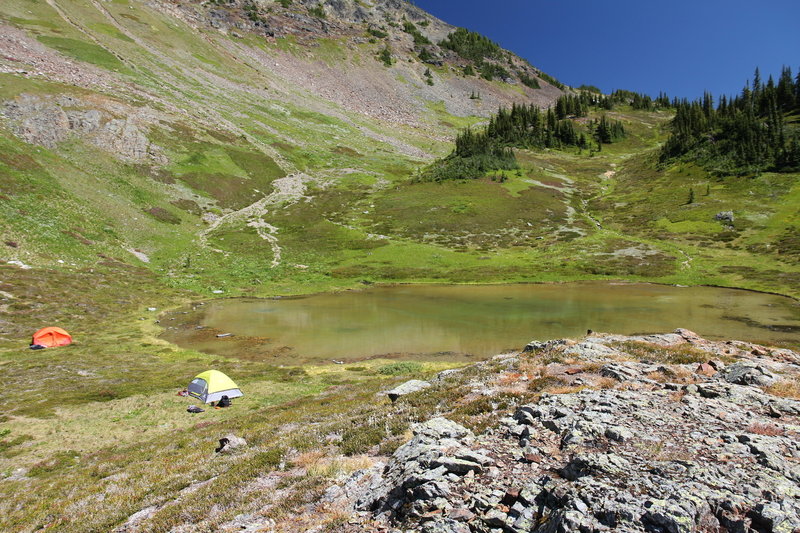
[{"x": 212, "y": 385}]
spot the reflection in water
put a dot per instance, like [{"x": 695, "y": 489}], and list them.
[{"x": 485, "y": 320}]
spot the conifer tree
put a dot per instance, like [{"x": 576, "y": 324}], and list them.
[{"x": 785, "y": 91}]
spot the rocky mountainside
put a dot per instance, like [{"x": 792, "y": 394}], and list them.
[
  {"x": 199, "y": 107},
  {"x": 164, "y": 135}
]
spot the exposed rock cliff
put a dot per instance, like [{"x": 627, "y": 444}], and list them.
[{"x": 46, "y": 121}]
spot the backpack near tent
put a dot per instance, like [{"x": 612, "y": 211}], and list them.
[
  {"x": 212, "y": 385},
  {"x": 50, "y": 337}
]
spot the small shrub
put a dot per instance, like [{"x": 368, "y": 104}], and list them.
[
  {"x": 528, "y": 81},
  {"x": 388, "y": 446},
  {"x": 104, "y": 395},
  {"x": 317, "y": 11},
  {"x": 377, "y": 33},
  {"x": 400, "y": 368},
  {"x": 386, "y": 57},
  {"x": 539, "y": 384},
  {"x": 606, "y": 383},
  {"x": 162, "y": 215},
  {"x": 58, "y": 461},
  {"x": 265, "y": 461},
  {"x": 360, "y": 439},
  {"x": 7, "y": 444},
  {"x": 678, "y": 355}
]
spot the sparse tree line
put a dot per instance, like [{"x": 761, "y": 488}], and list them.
[
  {"x": 523, "y": 126},
  {"x": 742, "y": 134}
]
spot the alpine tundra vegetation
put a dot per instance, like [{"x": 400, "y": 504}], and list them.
[{"x": 159, "y": 155}]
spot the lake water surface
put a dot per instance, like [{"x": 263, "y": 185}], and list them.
[{"x": 468, "y": 321}]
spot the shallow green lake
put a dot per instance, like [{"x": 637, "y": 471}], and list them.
[{"x": 461, "y": 322}]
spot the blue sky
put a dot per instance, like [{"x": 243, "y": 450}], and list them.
[{"x": 679, "y": 46}]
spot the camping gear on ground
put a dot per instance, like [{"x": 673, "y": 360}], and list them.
[
  {"x": 37, "y": 347},
  {"x": 195, "y": 409},
  {"x": 224, "y": 402},
  {"x": 212, "y": 385},
  {"x": 50, "y": 337}
]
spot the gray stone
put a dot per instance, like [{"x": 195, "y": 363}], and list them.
[
  {"x": 457, "y": 466},
  {"x": 432, "y": 490},
  {"x": 231, "y": 444},
  {"x": 618, "y": 433},
  {"x": 619, "y": 371},
  {"x": 724, "y": 216},
  {"x": 439, "y": 428},
  {"x": 590, "y": 350},
  {"x": 476, "y": 456},
  {"x": 408, "y": 387},
  {"x": 496, "y": 518},
  {"x": 444, "y": 525},
  {"x": 449, "y": 373},
  {"x": 538, "y": 345},
  {"x": 748, "y": 373}
]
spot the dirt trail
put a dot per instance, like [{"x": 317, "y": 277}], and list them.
[
  {"x": 287, "y": 191},
  {"x": 609, "y": 175}
]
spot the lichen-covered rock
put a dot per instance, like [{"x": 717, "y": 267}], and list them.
[
  {"x": 230, "y": 444},
  {"x": 749, "y": 373},
  {"x": 413, "y": 385},
  {"x": 709, "y": 453}
]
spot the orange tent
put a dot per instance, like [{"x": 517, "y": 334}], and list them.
[{"x": 51, "y": 336}]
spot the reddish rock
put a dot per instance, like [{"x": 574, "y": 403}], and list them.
[
  {"x": 573, "y": 371},
  {"x": 705, "y": 369},
  {"x": 461, "y": 515},
  {"x": 532, "y": 458},
  {"x": 510, "y": 496}
]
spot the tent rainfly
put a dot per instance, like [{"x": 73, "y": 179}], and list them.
[
  {"x": 50, "y": 337},
  {"x": 212, "y": 385}
]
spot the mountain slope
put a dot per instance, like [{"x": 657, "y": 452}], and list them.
[{"x": 159, "y": 121}]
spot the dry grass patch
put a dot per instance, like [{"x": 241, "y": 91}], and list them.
[
  {"x": 676, "y": 396},
  {"x": 606, "y": 383},
  {"x": 677, "y": 355},
  {"x": 564, "y": 389},
  {"x": 785, "y": 388},
  {"x": 327, "y": 467}
]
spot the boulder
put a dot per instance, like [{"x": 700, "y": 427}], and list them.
[
  {"x": 749, "y": 373},
  {"x": 620, "y": 371},
  {"x": 590, "y": 350},
  {"x": 458, "y": 467},
  {"x": 408, "y": 387},
  {"x": 535, "y": 346},
  {"x": 439, "y": 428},
  {"x": 231, "y": 444}
]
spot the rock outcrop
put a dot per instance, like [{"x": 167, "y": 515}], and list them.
[
  {"x": 663, "y": 447},
  {"x": 47, "y": 121}
]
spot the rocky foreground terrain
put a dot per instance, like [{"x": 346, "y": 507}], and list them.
[{"x": 637, "y": 435}]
